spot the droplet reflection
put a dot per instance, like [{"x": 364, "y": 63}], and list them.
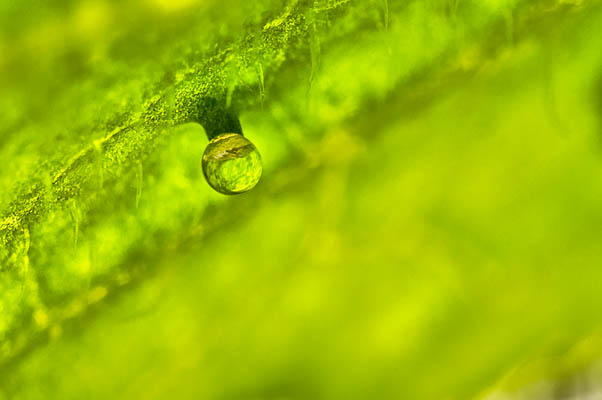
[{"x": 231, "y": 164}]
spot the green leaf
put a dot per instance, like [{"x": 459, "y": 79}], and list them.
[{"x": 427, "y": 221}]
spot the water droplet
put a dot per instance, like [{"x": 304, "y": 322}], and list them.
[{"x": 231, "y": 164}]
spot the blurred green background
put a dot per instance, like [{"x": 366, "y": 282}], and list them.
[{"x": 428, "y": 225}]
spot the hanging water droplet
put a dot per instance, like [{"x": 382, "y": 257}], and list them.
[{"x": 231, "y": 164}]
